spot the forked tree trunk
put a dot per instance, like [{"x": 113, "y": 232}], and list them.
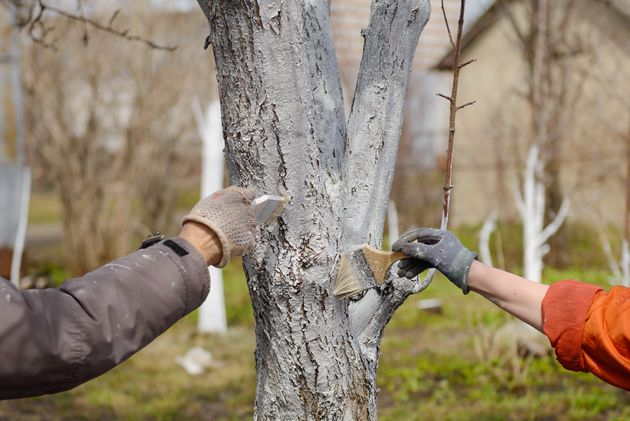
[
  {"x": 286, "y": 133},
  {"x": 531, "y": 207}
]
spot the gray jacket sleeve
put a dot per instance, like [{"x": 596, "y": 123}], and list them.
[{"x": 52, "y": 340}]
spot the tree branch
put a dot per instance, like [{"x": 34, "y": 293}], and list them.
[
  {"x": 454, "y": 108},
  {"x": 39, "y": 32},
  {"x": 468, "y": 104},
  {"x": 446, "y": 97},
  {"x": 520, "y": 200},
  {"x": 557, "y": 222},
  {"x": 370, "y": 315},
  {"x": 376, "y": 118},
  {"x": 448, "y": 26},
  {"x": 613, "y": 265}
]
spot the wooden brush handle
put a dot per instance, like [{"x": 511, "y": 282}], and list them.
[
  {"x": 380, "y": 261},
  {"x": 396, "y": 256}
]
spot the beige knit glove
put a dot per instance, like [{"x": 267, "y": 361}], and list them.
[{"x": 229, "y": 214}]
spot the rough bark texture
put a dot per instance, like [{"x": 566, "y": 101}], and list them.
[{"x": 285, "y": 133}]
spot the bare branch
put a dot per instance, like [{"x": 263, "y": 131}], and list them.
[
  {"x": 39, "y": 32},
  {"x": 448, "y": 27},
  {"x": 446, "y": 97},
  {"x": 488, "y": 227},
  {"x": 520, "y": 201},
  {"x": 471, "y": 61},
  {"x": 468, "y": 104},
  {"x": 613, "y": 265},
  {"x": 557, "y": 222},
  {"x": 113, "y": 18},
  {"x": 453, "y": 112},
  {"x": 520, "y": 33},
  {"x": 457, "y": 67}
]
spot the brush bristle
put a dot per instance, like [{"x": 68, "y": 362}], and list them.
[
  {"x": 362, "y": 269},
  {"x": 348, "y": 283}
]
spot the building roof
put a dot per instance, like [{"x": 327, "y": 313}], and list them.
[
  {"x": 350, "y": 16},
  {"x": 493, "y": 13}
]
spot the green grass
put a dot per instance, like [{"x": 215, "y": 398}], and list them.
[{"x": 429, "y": 370}]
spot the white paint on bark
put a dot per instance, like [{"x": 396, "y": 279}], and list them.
[
  {"x": 531, "y": 208},
  {"x": 488, "y": 227},
  {"x": 20, "y": 238},
  {"x": 285, "y": 132}
]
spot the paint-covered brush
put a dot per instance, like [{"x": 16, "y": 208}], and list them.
[
  {"x": 268, "y": 207},
  {"x": 362, "y": 269}
]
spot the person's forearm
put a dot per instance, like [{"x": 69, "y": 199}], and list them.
[
  {"x": 55, "y": 339},
  {"x": 516, "y": 295}
]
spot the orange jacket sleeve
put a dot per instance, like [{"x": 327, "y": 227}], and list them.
[{"x": 590, "y": 329}]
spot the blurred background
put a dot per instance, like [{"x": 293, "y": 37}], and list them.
[{"x": 101, "y": 145}]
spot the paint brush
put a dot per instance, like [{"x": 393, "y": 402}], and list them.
[
  {"x": 363, "y": 268},
  {"x": 268, "y": 207}
]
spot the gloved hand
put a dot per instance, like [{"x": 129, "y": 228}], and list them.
[
  {"x": 432, "y": 248},
  {"x": 229, "y": 214}
]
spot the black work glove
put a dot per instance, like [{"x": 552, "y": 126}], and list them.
[{"x": 432, "y": 248}]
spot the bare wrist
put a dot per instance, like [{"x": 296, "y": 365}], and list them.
[
  {"x": 477, "y": 274},
  {"x": 204, "y": 240}
]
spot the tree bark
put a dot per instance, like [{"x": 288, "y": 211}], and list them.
[{"x": 285, "y": 132}]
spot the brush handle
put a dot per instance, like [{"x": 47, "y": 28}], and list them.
[
  {"x": 268, "y": 207},
  {"x": 380, "y": 261}
]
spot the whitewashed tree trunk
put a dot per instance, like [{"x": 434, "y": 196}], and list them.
[
  {"x": 488, "y": 227},
  {"x": 212, "y": 317},
  {"x": 531, "y": 208},
  {"x": 286, "y": 133},
  {"x": 621, "y": 268},
  {"x": 15, "y": 190}
]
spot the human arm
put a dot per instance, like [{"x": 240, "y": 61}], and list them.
[
  {"x": 518, "y": 296},
  {"x": 443, "y": 250},
  {"x": 588, "y": 328},
  {"x": 55, "y": 339}
]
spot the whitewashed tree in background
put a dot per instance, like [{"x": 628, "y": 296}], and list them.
[
  {"x": 621, "y": 269},
  {"x": 488, "y": 227},
  {"x": 531, "y": 208},
  {"x": 530, "y": 200},
  {"x": 15, "y": 188},
  {"x": 212, "y": 318}
]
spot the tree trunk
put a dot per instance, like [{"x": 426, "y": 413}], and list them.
[
  {"x": 285, "y": 132},
  {"x": 212, "y": 315}
]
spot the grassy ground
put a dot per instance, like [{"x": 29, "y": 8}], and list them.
[
  {"x": 448, "y": 366},
  {"x": 433, "y": 367}
]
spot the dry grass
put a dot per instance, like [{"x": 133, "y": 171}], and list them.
[{"x": 429, "y": 371}]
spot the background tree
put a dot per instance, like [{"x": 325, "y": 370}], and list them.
[
  {"x": 286, "y": 133},
  {"x": 96, "y": 138},
  {"x": 550, "y": 51}
]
